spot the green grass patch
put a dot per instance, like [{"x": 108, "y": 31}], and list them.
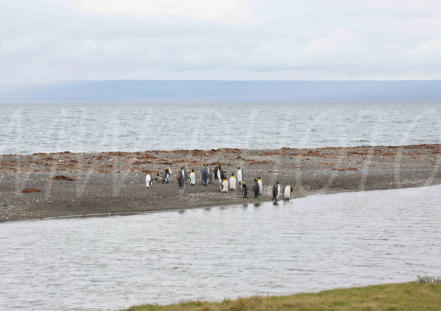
[{"x": 391, "y": 297}]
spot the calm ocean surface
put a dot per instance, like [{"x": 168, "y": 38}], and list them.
[
  {"x": 309, "y": 244},
  {"x": 86, "y": 128}
]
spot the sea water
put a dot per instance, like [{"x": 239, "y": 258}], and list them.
[
  {"x": 33, "y": 128},
  {"x": 309, "y": 244}
]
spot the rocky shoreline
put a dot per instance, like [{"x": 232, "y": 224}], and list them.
[{"x": 44, "y": 185}]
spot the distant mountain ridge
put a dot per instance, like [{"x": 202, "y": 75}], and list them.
[{"x": 216, "y": 91}]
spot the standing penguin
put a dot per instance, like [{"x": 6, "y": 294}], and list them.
[
  {"x": 232, "y": 182},
  {"x": 210, "y": 175},
  {"x": 256, "y": 189},
  {"x": 239, "y": 176},
  {"x": 205, "y": 175},
  {"x": 184, "y": 173},
  {"x": 167, "y": 175},
  {"x": 224, "y": 186},
  {"x": 222, "y": 173},
  {"x": 279, "y": 190},
  {"x": 192, "y": 178},
  {"x": 244, "y": 190},
  {"x": 276, "y": 191},
  {"x": 259, "y": 181},
  {"x": 216, "y": 168},
  {"x": 219, "y": 174},
  {"x": 181, "y": 180},
  {"x": 148, "y": 181},
  {"x": 287, "y": 193}
]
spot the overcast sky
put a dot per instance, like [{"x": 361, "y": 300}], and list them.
[{"x": 54, "y": 40}]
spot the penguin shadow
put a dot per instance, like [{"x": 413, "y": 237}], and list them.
[
  {"x": 180, "y": 195},
  {"x": 207, "y": 209},
  {"x": 181, "y": 211},
  {"x": 275, "y": 203},
  {"x": 257, "y": 204}
]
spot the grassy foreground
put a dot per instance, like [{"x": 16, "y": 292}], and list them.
[{"x": 406, "y": 296}]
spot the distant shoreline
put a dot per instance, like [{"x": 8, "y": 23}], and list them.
[
  {"x": 232, "y": 91},
  {"x": 113, "y": 183}
]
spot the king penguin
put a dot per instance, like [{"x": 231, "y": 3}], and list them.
[
  {"x": 148, "y": 181},
  {"x": 224, "y": 186},
  {"x": 220, "y": 174},
  {"x": 256, "y": 189},
  {"x": 279, "y": 190},
  {"x": 276, "y": 191},
  {"x": 239, "y": 175},
  {"x": 259, "y": 181},
  {"x": 232, "y": 182},
  {"x": 205, "y": 173},
  {"x": 167, "y": 175},
  {"x": 181, "y": 180},
  {"x": 184, "y": 173},
  {"x": 192, "y": 178},
  {"x": 244, "y": 190},
  {"x": 287, "y": 193}
]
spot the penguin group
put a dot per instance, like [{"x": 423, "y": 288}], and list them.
[
  {"x": 165, "y": 178},
  {"x": 234, "y": 183},
  {"x": 277, "y": 193}
]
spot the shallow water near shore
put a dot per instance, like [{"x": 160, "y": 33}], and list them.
[
  {"x": 309, "y": 244},
  {"x": 29, "y": 128}
]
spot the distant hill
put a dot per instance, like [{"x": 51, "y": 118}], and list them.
[{"x": 185, "y": 91}]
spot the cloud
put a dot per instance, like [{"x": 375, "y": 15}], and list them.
[
  {"x": 402, "y": 5},
  {"x": 337, "y": 39},
  {"x": 49, "y": 40},
  {"x": 225, "y": 10},
  {"x": 428, "y": 47}
]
